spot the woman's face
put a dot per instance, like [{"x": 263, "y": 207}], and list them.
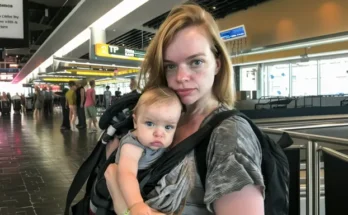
[{"x": 190, "y": 65}]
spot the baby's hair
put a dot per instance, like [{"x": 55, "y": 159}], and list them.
[{"x": 156, "y": 95}]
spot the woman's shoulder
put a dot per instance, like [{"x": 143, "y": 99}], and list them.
[
  {"x": 233, "y": 159},
  {"x": 234, "y": 135},
  {"x": 233, "y": 126}
]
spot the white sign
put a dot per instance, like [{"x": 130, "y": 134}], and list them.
[
  {"x": 129, "y": 52},
  {"x": 11, "y": 19}
]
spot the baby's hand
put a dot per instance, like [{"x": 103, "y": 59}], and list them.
[{"x": 140, "y": 209}]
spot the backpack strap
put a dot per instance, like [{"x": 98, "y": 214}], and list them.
[
  {"x": 148, "y": 178},
  {"x": 201, "y": 150},
  {"x": 83, "y": 174}
]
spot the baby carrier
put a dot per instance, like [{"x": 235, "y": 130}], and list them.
[{"x": 117, "y": 120}]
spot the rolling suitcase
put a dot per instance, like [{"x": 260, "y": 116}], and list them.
[
  {"x": 5, "y": 107},
  {"x": 17, "y": 105}
]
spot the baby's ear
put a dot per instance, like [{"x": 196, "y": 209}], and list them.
[{"x": 134, "y": 121}]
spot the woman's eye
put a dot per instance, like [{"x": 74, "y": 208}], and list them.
[
  {"x": 150, "y": 124},
  {"x": 169, "y": 67},
  {"x": 169, "y": 127},
  {"x": 196, "y": 63}
]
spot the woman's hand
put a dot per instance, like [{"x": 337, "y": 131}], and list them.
[
  {"x": 140, "y": 209},
  {"x": 155, "y": 212}
]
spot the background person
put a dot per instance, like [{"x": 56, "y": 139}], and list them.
[
  {"x": 90, "y": 107},
  {"x": 80, "y": 105},
  {"x": 38, "y": 103},
  {"x": 71, "y": 103}
]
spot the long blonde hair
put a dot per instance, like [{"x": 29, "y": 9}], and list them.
[{"x": 152, "y": 71}]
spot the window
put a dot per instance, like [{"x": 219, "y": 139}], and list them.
[
  {"x": 278, "y": 80},
  {"x": 334, "y": 76},
  {"x": 304, "y": 78},
  {"x": 248, "y": 78}
]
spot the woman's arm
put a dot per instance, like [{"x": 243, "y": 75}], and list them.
[{"x": 249, "y": 201}]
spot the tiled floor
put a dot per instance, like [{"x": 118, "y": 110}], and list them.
[{"x": 38, "y": 163}]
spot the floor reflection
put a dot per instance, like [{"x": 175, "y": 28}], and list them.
[{"x": 38, "y": 163}]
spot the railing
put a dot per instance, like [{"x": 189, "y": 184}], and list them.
[{"x": 313, "y": 149}]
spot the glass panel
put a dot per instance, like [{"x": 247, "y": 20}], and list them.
[
  {"x": 334, "y": 76},
  {"x": 278, "y": 80},
  {"x": 248, "y": 78},
  {"x": 304, "y": 78}
]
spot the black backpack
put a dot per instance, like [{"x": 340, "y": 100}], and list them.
[{"x": 274, "y": 168}]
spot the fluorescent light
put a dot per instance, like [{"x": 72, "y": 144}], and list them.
[
  {"x": 99, "y": 64},
  {"x": 118, "y": 12},
  {"x": 294, "y": 58},
  {"x": 294, "y": 46},
  {"x": 328, "y": 53},
  {"x": 60, "y": 79},
  {"x": 129, "y": 76}
]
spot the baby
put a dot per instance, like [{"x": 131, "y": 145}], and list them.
[{"x": 155, "y": 118}]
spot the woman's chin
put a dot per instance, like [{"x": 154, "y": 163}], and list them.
[{"x": 188, "y": 100}]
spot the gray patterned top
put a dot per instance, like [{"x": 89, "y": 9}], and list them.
[
  {"x": 149, "y": 156},
  {"x": 233, "y": 161}
]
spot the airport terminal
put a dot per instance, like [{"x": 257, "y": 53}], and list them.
[{"x": 74, "y": 74}]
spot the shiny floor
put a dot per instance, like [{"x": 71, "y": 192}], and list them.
[{"x": 38, "y": 163}]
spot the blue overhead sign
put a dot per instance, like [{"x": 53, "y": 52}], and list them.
[{"x": 233, "y": 33}]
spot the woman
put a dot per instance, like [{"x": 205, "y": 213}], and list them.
[
  {"x": 188, "y": 56},
  {"x": 90, "y": 109}
]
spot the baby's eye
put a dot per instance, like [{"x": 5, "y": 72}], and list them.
[
  {"x": 150, "y": 124},
  {"x": 169, "y": 127}
]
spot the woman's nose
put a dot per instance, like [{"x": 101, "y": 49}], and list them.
[{"x": 182, "y": 74}]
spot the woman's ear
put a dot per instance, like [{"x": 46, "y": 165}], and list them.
[
  {"x": 134, "y": 121},
  {"x": 218, "y": 66}
]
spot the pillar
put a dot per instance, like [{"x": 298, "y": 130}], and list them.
[{"x": 97, "y": 36}]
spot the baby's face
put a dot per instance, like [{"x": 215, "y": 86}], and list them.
[{"x": 156, "y": 124}]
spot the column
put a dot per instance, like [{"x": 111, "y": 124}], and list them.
[{"x": 97, "y": 36}]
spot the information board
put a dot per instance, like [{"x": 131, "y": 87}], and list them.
[
  {"x": 11, "y": 19},
  {"x": 109, "y": 51},
  {"x": 233, "y": 33}
]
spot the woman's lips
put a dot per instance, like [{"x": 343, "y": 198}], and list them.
[{"x": 185, "y": 92}]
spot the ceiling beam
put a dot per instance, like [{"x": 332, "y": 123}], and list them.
[{"x": 143, "y": 28}]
